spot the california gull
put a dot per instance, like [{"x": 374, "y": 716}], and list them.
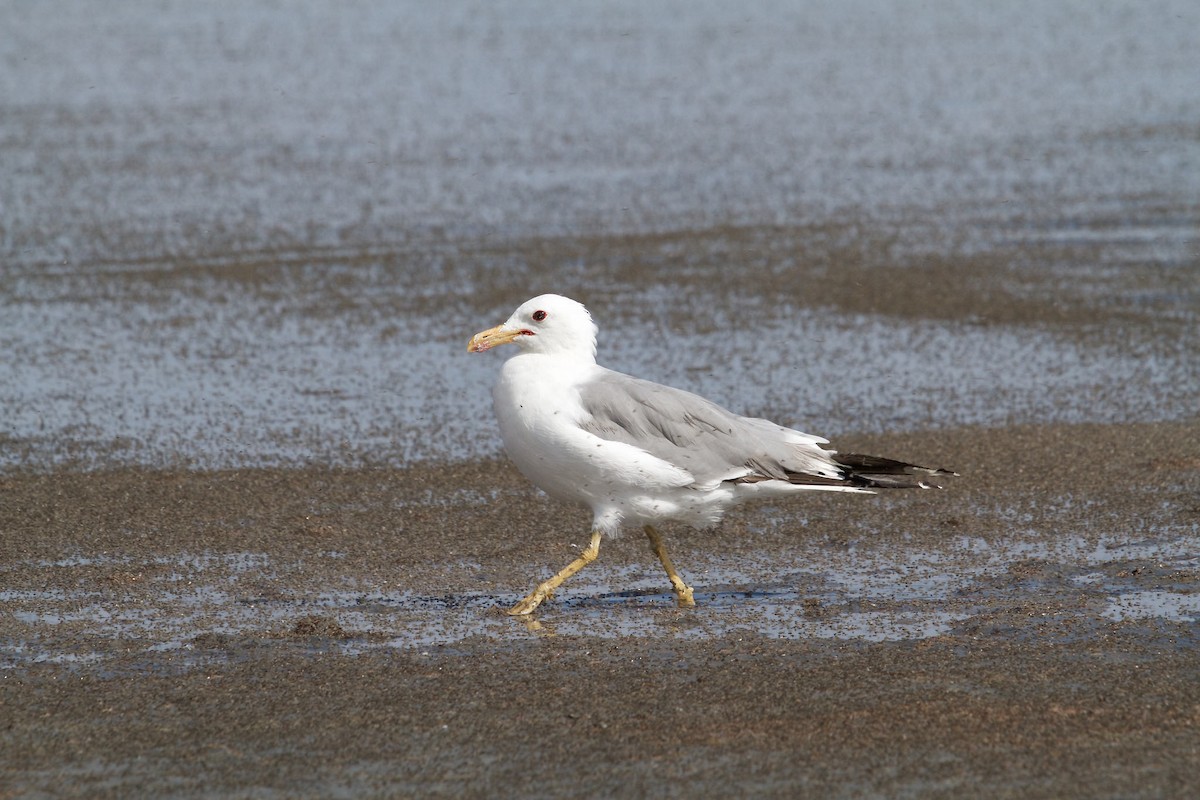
[{"x": 642, "y": 453}]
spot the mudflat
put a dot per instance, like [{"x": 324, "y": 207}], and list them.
[
  {"x": 338, "y": 627},
  {"x": 312, "y": 632},
  {"x": 257, "y": 533}
]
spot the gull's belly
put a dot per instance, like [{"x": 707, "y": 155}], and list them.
[
  {"x": 560, "y": 462},
  {"x": 539, "y": 413},
  {"x": 618, "y": 482}
]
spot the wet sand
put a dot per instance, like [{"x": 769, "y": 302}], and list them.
[
  {"x": 256, "y": 534},
  {"x": 337, "y": 628},
  {"x": 1035, "y": 688}
]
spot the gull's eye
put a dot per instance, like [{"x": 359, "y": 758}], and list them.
[{"x": 539, "y": 315}]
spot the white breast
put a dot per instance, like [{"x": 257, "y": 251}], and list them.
[{"x": 538, "y": 410}]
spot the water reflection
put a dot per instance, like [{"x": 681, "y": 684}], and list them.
[{"x": 870, "y": 597}]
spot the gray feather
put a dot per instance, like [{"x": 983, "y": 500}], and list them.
[{"x": 696, "y": 434}]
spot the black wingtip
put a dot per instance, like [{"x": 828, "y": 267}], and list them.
[{"x": 886, "y": 473}]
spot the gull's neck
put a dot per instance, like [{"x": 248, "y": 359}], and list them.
[
  {"x": 534, "y": 371},
  {"x": 580, "y": 347}
]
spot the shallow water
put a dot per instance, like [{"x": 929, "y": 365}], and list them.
[
  {"x": 260, "y": 234},
  {"x": 255, "y": 235},
  {"x": 866, "y": 593},
  {"x": 167, "y": 130},
  {"x": 239, "y": 382}
]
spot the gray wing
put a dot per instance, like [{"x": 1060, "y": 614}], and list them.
[{"x": 711, "y": 443}]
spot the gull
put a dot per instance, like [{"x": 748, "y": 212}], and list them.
[{"x": 640, "y": 453}]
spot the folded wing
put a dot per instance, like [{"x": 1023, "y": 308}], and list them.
[{"x": 697, "y": 435}]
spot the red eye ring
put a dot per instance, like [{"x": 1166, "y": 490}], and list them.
[{"x": 539, "y": 315}]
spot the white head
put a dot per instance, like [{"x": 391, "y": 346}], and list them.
[{"x": 550, "y": 324}]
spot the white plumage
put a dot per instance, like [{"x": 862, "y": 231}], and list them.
[{"x": 637, "y": 452}]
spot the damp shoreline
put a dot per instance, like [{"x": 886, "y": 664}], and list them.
[{"x": 1012, "y": 623}]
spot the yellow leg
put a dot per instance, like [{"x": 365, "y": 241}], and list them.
[
  {"x": 683, "y": 592},
  {"x": 546, "y": 589}
]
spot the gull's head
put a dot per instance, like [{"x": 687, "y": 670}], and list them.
[{"x": 550, "y": 324}]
